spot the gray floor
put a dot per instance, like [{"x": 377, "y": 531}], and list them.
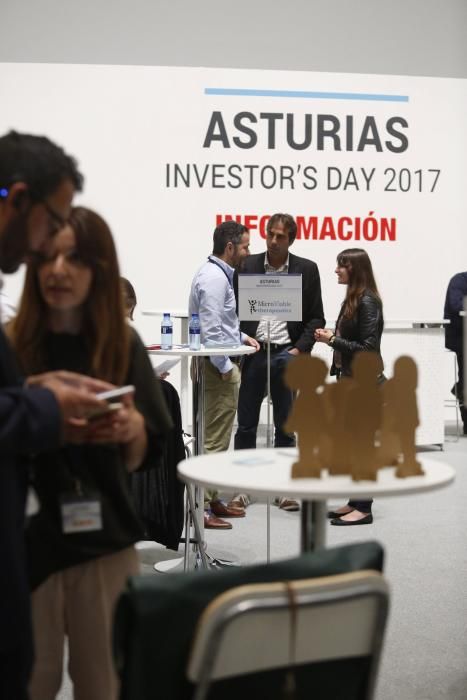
[{"x": 425, "y": 655}]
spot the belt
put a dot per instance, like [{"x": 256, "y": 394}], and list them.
[{"x": 275, "y": 347}]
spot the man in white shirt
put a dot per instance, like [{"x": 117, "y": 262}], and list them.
[{"x": 212, "y": 297}]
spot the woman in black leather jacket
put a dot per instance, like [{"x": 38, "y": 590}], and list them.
[{"x": 358, "y": 328}]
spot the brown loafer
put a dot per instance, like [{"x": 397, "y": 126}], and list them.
[
  {"x": 213, "y": 523},
  {"x": 223, "y": 511}
]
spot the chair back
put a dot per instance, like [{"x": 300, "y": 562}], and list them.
[{"x": 260, "y": 627}]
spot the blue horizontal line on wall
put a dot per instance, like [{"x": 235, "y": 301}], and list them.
[{"x": 304, "y": 94}]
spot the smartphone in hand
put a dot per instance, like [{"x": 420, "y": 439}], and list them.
[
  {"x": 111, "y": 398},
  {"x": 105, "y": 410},
  {"x": 115, "y": 394}
]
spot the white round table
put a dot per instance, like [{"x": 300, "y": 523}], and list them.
[
  {"x": 266, "y": 472},
  {"x": 182, "y": 315},
  {"x": 197, "y": 379}
]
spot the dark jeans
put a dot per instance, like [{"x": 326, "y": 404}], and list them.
[
  {"x": 362, "y": 506},
  {"x": 252, "y": 392},
  {"x": 15, "y": 669}
]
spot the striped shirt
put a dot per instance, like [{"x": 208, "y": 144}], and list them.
[{"x": 279, "y": 333}]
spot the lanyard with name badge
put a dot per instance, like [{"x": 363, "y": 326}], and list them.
[
  {"x": 80, "y": 509},
  {"x": 213, "y": 262}
]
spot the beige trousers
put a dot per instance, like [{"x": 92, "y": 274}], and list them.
[
  {"x": 220, "y": 406},
  {"x": 78, "y": 603}
]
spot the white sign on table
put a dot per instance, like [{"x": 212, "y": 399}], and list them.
[{"x": 270, "y": 297}]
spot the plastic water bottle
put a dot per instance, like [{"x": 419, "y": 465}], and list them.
[
  {"x": 166, "y": 332},
  {"x": 195, "y": 332}
]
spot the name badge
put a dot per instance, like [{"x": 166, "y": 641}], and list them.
[
  {"x": 32, "y": 504},
  {"x": 81, "y": 513}
]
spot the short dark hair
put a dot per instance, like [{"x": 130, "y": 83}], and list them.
[
  {"x": 227, "y": 232},
  {"x": 38, "y": 162},
  {"x": 129, "y": 296},
  {"x": 287, "y": 221}
]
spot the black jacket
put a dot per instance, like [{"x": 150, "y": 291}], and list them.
[
  {"x": 158, "y": 493},
  {"x": 361, "y": 332},
  {"x": 30, "y": 422},
  {"x": 456, "y": 291},
  {"x": 301, "y": 332}
]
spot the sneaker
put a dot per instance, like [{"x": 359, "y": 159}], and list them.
[
  {"x": 289, "y": 504},
  {"x": 241, "y": 500}
]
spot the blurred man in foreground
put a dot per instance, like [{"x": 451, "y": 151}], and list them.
[{"x": 37, "y": 184}]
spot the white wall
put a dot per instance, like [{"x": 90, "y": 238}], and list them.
[
  {"x": 418, "y": 37},
  {"x": 405, "y": 37}
]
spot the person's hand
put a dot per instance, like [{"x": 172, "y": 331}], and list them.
[
  {"x": 123, "y": 425},
  {"x": 323, "y": 335},
  {"x": 127, "y": 427},
  {"x": 77, "y": 430},
  {"x": 75, "y": 393},
  {"x": 226, "y": 376},
  {"x": 252, "y": 342},
  {"x": 294, "y": 351}
]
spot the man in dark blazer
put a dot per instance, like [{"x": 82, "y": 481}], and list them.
[
  {"x": 286, "y": 339},
  {"x": 454, "y": 333},
  {"x": 37, "y": 183}
]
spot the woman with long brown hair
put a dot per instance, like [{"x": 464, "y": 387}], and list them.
[
  {"x": 359, "y": 328},
  {"x": 80, "y": 543}
]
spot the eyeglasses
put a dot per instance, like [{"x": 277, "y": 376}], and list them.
[{"x": 57, "y": 220}]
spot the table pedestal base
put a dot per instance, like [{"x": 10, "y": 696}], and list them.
[
  {"x": 169, "y": 566},
  {"x": 313, "y": 525},
  {"x": 196, "y": 556}
]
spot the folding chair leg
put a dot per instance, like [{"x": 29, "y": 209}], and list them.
[
  {"x": 186, "y": 552},
  {"x": 198, "y": 536}
]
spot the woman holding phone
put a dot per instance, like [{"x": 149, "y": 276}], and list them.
[
  {"x": 81, "y": 542},
  {"x": 359, "y": 327}
]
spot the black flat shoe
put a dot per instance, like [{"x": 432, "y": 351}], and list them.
[
  {"x": 367, "y": 520},
  {"x": 336, "y": 514}
]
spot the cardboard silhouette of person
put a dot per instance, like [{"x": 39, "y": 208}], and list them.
[
  {"x": 306, "y": 375},
  {"x": 364, "y": 414},
  {"x": 404, "y": 415},
  {"x": 390, "y": 447},
  {"x": 336, "y": 452}
]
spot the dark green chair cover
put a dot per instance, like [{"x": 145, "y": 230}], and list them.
[{"x": 156, "y": 618}]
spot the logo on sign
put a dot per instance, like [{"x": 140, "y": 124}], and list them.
[{"x": 252, "y": 303}]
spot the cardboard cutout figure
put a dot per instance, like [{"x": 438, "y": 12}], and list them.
[
  {"x": 354, "y": 426},
  {"x": 390, "y": 446},
  {"x": 405, "y": 415},
  {"x": 364, "y": 414},
  {"x": 306, "y": 375},
  {"x": 336, "y": 453}
]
